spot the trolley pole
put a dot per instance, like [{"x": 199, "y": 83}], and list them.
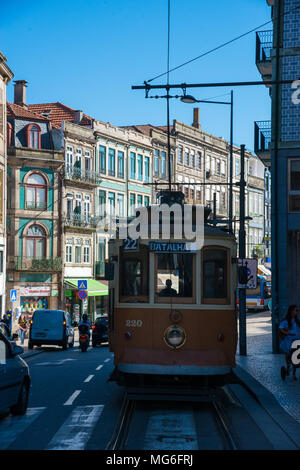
[{"x": 242, "y": 255}]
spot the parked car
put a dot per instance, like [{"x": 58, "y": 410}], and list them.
[
  {"x": 100, "y": 331},
  {"x": 51, "y": 327},
  {"x": 14, "y": 378}
]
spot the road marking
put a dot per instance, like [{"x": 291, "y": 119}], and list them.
[
  {"x": 88, "y": 378},
  {"x": 72, "y": 398},
  {"x": 106, "y": 360},
  {"x": 56, "y": 363},
  {"x": 99, "y": 367},
  {"x": 12, "y": 426},
  {"x": 77, "y": 429}
]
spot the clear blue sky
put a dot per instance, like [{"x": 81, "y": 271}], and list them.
[{"x": 87, "y": 54}]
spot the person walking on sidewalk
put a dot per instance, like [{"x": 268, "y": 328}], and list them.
[
  {"x": 289, "y": 331},
  {"x": 22, "y": 327}
]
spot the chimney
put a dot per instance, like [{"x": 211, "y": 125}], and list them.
[
  {"x": 196, "y": 121},
  {"x": 20, "y": 92},
  {"x": 78, "y": 114}
]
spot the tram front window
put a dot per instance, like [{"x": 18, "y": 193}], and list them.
[
  {"x": 134, "y": 275},
  {"x": 174, "y": 275},
  {"x": 214, "y": 275}
]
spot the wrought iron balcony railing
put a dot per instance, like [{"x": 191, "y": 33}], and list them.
[
  {"x": 36, "y": 205},
  {"x": 262, "y": 136},
  {"x": 82, "y": 175},
  {"x": 37, "y": 264},
  {"x": 81, "y": 220},
  {"x": 264, "y": 44}
]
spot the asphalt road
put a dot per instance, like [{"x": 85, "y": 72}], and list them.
[{"x": 71, "y": 404}]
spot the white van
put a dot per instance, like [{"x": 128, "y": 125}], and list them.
[{"x": 51, "y": 327}]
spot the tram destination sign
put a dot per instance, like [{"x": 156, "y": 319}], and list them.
[{"x": 173, "y": 247}]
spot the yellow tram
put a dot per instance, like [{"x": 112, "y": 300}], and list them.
[{"x": 172, "y": 308}]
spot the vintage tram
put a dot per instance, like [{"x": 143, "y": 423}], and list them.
[{"x": 172, "y": 308}]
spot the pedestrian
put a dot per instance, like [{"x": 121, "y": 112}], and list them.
[
  {"x": 6, "y": 320},
  {"x": 289, "y": 331},
  {"x": 22, "y": 327}
]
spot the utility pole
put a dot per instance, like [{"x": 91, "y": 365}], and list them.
[{"x": 242, "y": 255}]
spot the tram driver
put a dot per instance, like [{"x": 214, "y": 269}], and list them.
[{"x": 168, "y": 291}]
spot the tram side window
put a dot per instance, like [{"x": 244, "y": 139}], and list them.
[
  {"x": 174, "y": 275},
  {"x": 134, "y": 276},
  {"x": 215, "y": 282}
]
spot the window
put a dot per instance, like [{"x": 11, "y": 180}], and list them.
[
  {"x": 218, "y": 167},
  {"x": 163, "y": 164},
  {"x": 36, "y": 192},
  {"x": 35, "y": 242},
  {"x": 223, "y": 168},
  {"x": 86, "y": 254},
  {"x": 78, "y": 158},
  {"x": 207, "y": 163},
  {"x": 132, "y": 204},
  {"x": 187, "y": 157},
  {"x": 112, "y": 203},
  {"x": 198, "y": 162},
  {"x": 69, "y": 205},
  {"x": 102, "y": 159},
  {"x": 132, "y": 165},
  {"x": 156, "y": 162},
  {"x": 147, "y": 170},
  {"x": 69, "y": 159},
  {"x": 1, "y": 261},
  {"x": 33, "y": 136},
  {"x": 294, "y": 185},
  {"x": 174, "y": 275},
  {"x": 69, "y": 254},
  {"x": 140, "y": 167},
  {"x": 134, "y": 275},
  {"x": 87, "y": 162},
  {"x": 139, "y": 200},
  {"x": 146, "y": 201},
  {"x": 87, "y": 208},
  {"x": 102, "y": 203},
  {"x": 237, "y": 167},
  {"x": 120, "y": 205},
  {"x": 215, "y": 283},
  {"x": 78, "y": 254},
  {"x": 180, "y": 154},
  {"x": 111, "y": 162},
  {"x": 120, "y": 164},
  {"x": 192, "y": 159},
  {"x": 213, "y": 166}
]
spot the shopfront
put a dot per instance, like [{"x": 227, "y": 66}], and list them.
[
  {"x": 94, "y": 305},
  {"x": 34, "y": 298}
]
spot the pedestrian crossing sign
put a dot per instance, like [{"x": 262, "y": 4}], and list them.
[
  {"x": 82, "y": 284},
  {"x": 13, "y": 295}
]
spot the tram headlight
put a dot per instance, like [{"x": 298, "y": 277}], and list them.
[{"x": 174, "y": 336}]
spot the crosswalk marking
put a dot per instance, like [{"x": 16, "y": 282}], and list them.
[
  {"x": 12, "y": 426},
  {"x": 72, "y": 398},
  {"x": 77, "y": 429},
  {"x": 88, "y": 378},
  {"x": 99, "y": 367}
]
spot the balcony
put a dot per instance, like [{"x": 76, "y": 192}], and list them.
[
  {"x": 81, "y": 175},
  {"x": 264, "y": 45},
  {"x": 37, "y": 264},
  {"x": 262, "y": 140},
  {"x": 33, "y": 206},
  {"x": 81, "y": 221}
]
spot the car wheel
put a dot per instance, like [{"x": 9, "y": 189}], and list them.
[
  {"x": 21, "y": 407},
  {"x": 30, "y": 345}
]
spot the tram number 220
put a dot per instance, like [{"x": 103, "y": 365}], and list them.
[{"x": 134, "y": 323}]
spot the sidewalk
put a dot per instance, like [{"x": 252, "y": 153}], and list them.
[{"x": 265, "y": 366}]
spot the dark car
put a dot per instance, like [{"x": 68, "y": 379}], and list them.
[
  {"x": 100, "y": 331},
  {"x": 14, "y": 378}
]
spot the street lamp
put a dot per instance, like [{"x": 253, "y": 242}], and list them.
[{"x": 189, "y": 99}]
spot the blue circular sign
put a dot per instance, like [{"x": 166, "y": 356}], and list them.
[{"x": 82, "y": 294}]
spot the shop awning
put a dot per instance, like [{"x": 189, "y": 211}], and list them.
[{"x": 94, "y": 288}]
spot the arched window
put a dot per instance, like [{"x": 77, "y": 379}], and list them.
[
  {"x": 33, "y": 136},
  {"x": 36, "y": 192},
  {"x": 9, "y": 134},
  {"x": 35, "y": 242}
]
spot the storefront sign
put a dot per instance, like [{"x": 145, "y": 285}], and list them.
[
  {"x": 165, "y": 247},
  {"x": 35, "y": 291}
]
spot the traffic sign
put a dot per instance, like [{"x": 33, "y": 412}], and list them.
[
  {"x": 82, "y": 284},
  {"x": 251, "y": 265},
  {"x": 13, "y": 295},
  {"x": 82, "y": 294}
]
